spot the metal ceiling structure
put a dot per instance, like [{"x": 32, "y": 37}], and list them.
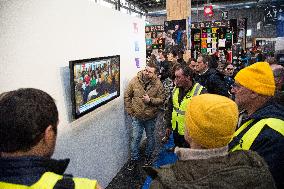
[{"x": 158, "y": 5}]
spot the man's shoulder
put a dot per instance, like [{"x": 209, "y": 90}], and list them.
[{"x": 157, "y": 82}]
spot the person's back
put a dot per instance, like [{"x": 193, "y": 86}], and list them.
[
  {"x": 28, "y": 129},
  {"x": 263, "y": 128},
  {"x": 210, "y": 122},
  {"x": 241, "y": 169}
]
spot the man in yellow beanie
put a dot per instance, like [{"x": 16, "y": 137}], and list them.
[
  {"x": 263, "y": 129},
  {"x": 210, "y": 124}
]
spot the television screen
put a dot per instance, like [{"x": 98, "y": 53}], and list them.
[{"x": 94, "y": 82}]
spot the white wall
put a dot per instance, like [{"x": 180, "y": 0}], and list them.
[{"x": 38, "y": 38}]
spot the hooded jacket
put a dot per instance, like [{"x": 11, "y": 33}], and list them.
[
  {"x": 241, "y": 169},
  {"x": 269, "y": 143},
  {"x": 133, "y": 101}
]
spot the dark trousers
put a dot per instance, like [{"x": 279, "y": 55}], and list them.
[{"x": 179, "y": 140}]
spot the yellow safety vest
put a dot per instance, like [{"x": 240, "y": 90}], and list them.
[
  {"x": 48, "y": 181},
  {"x": 249, "y": 137},
  {"x": 179, "y": 109}
]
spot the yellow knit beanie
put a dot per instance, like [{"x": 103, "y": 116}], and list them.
[
  {"x": 211, "y": 120},
  {"x": 257, "y": 77}
]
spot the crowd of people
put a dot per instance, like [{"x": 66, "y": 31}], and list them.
[
  {"x": 223, "y": 117},
  {"x": 227, "y": 126}
]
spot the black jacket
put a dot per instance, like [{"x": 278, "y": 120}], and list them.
[
  {"x": 165, "y": 70},
  {"x": 28, "y": 170},
  {"x": 269, "y": 143},
  {"x": 213, "y": 81}
]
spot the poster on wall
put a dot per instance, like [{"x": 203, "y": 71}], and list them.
[
  {"x": 135, "y": 27},
  {"x": 270, "y": 14},
  {"x": 154, "y": 37},
  {"x": 176, "y": 35}
]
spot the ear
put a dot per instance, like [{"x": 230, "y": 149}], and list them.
[
  {"x": 49, "y": 135},
  {"x": 254, "y": 95}
]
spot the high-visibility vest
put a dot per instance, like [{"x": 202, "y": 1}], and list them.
[
  {"x": 179, "y": 109},
  {"x": 48, "y": 181},
  {"x": 249, "y": 137}
]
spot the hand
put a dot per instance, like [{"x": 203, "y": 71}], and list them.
[
  {"x": 146, "y": 98},
  {"x": 168, "y": 132}
]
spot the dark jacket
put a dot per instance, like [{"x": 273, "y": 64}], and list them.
[
  {"x": 241, "y": 169},
  {"x": 134, "y": 104},
  {"x": 213, "y": 81},
  {"x": 269, "y": 143},
  {"x": 165, "y": 70},
  {"x": 28, "y": 170}
]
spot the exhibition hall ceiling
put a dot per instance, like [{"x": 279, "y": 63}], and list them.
[{"x": 156, "y": 5}]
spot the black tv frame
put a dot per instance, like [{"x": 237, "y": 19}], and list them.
[{"x": 72, "y": 63}]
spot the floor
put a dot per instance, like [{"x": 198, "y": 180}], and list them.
[{"x": 137, "y": 178}]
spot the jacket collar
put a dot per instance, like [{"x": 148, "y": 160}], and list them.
[
  {"x": 190, "y": 154},
  {"x": 140, "y": 78},
  {"x": 272, "y": 109},
  {"x": 11, "y": 167}
]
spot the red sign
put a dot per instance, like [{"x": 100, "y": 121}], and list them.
[{"x": 208, "y": 10}]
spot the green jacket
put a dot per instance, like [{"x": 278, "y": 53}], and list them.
[{"x": 241, "y": 169}]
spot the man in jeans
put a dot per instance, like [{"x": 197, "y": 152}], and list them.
[{"x": 143, "y": 97}]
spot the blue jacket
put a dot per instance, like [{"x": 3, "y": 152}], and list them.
[
  {"x": 28, "y": 170},
  {"x": 269, "y": 144}
]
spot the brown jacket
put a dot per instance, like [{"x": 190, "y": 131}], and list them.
[{"x": 133, "y": 101}]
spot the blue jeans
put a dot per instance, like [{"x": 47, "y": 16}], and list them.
[{"x": 137, "y": 131}]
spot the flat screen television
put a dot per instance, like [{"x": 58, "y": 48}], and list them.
[{"x": 94, "y": 82}]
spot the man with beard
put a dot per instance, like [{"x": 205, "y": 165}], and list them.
[
  {"x": 142, "y": 98},
  {"x": 183, "y": 92}
]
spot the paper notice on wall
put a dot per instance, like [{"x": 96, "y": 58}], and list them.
[
  {"x": 135, "y": 27},
  {"x": 148, "y": 35},
  {"x": 222, "y": 42},
  {"x": 209, "y": 50},
  {"x": 136, "y": 44},
  {"x": 214, "y": 30},
  {"x": 137, "y": 62}
]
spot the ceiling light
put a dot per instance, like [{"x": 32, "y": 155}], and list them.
[{"x": 157, "y": 1}]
